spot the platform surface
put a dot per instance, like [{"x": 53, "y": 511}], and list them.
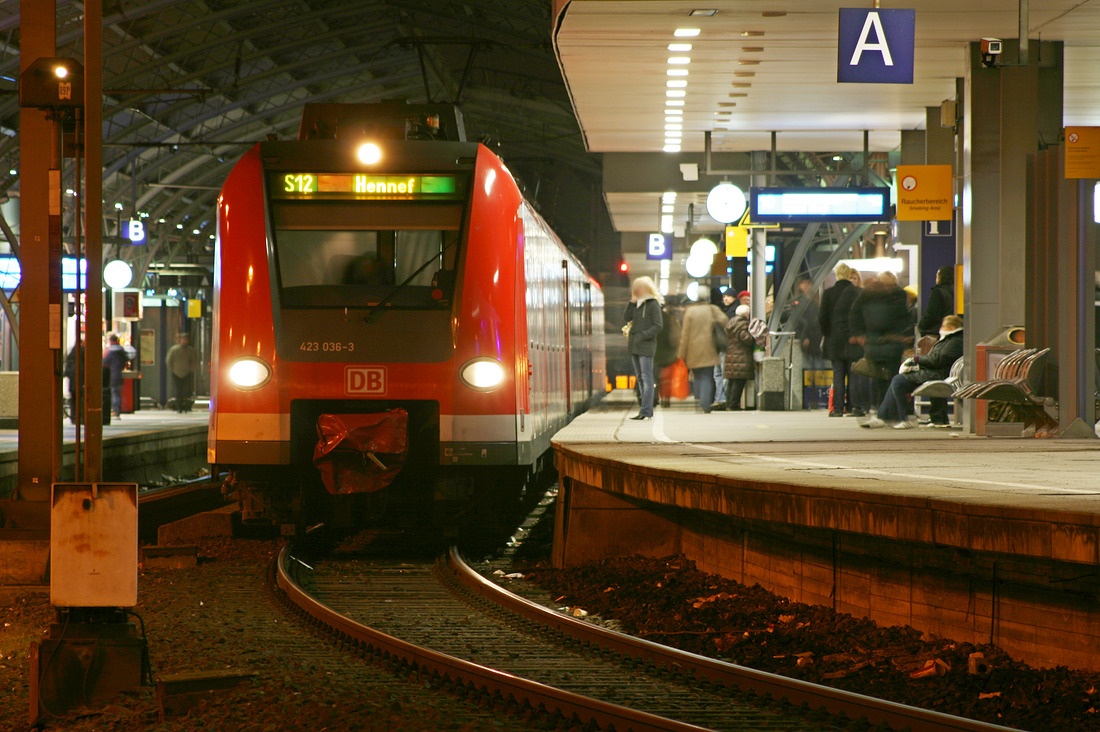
[
  {"x": 810, "y": 449},
  {"x": 128, "y": 425}
]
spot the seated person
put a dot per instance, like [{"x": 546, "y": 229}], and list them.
[{"x": 897, "y": 408}]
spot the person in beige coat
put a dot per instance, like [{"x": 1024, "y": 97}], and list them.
[{"x": 698, "y": 350}]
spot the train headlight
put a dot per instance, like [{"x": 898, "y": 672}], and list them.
[
  {"x": 249, "y": 373},
  {"x": 483, "y": 374},
  {"x": 369, "y": 153}
]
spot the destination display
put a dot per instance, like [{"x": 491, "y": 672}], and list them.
[
  {"x": 361, "y": 185},
  {"x": 809, "y": 205}
]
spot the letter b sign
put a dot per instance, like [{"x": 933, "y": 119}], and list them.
[
  {"x": 659, "y": 247},
  {"x": 135, "y": 231}
]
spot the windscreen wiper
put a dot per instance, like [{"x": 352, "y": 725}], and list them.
[{"x": 380, "y": 306}]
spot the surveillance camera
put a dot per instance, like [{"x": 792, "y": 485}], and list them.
[{"x": 991, "y": 46}]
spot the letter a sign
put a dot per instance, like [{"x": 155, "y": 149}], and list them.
[{"x": 876, "y": 46}]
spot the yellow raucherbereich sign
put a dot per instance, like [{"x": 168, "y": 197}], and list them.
[
  {"x": 926, "y": 193},
  {"x": 1083, "y": 152}
]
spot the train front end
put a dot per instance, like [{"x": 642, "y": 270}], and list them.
[{"x": 365, "y": 327}]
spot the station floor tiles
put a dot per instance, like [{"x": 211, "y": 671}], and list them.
[
  {"x": 807, "y": 448},
  {"x": 140, "y": 422}
]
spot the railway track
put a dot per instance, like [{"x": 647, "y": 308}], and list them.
[
  {"x": 158, "y": 506},
  {"x": 447, "y": 620}
]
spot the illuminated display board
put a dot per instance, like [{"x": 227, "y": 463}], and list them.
[
  {"x": 11, "y": 273},
  {"x": 362, "y": 185},
  {"x": 810, "y": 205}
]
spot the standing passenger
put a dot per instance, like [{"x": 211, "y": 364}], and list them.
[
  {"x": 836, "y": 306},
  {"x": 182, "y": 361},
  {"x": 698, "y": 349},
  {"x": 739, "y": 366},
  {"x": 880, "y": 323},
  {"x": 643, "y": 315},
  {"x": 941, "y": 302},
  {"x": 114, "y": 362}
]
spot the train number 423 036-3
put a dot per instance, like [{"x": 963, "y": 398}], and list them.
[{"x": 326, "y": 347}]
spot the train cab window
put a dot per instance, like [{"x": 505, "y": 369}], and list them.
[{"x": 320, "y": 266}]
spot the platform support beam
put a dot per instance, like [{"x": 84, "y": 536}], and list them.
[
  {"x": 93, "y": 236},
  {"x": 1008, "y": 111},
  {"x": 39, "y": 359}
]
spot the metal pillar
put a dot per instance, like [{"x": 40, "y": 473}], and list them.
[
  {"x": 39, "y": 380},
  {"x": 758, "y": 285},
  {"x": 1008, "y": 109},
  {"x": 93, "y": 236}
]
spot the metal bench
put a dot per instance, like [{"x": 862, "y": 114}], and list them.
[
  {"x": 1018, "y": 382},
  {"x": 941, "y": 389}
]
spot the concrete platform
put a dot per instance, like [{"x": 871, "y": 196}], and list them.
[
  {"x": 137, "y": 448},
  {"x": 974, "y": 538}
]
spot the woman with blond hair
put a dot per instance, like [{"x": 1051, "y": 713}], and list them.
[
  {"x": 836, "y": 305},
  {"x": 643, "y": 325}
]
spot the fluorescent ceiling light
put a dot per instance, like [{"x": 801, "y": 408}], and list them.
[
  {"x": 674, "y": 102},
  {"x": 704, "y": 12},
  {"x": 672, "y": 149},
  {"x": 667, "y": 209},
  {"x": 677, "y": 72},
  {"x": 674, "y": 133},
  {"x": 673, "y": 93},
  {"x": 666, "y": 221},
  {"x": 676, "y": 83},
  {"x": 679, "y": 60},
  {"x": 679, "y": 47},
  {"x": 686, "y": 32},
  {"x": 674, "y": 126}
]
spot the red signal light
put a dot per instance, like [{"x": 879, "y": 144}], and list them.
[{"x": 623, "y": 267}]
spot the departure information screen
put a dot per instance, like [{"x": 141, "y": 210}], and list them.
[
  {"x": 795, "y": 205},
  {"x": 364, "y": 186}
]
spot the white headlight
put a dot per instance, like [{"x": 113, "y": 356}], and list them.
[
  {"x": 249, "y": 373},
  {"x": 483, "y": 374},
  {"x": 369, "y": 153}
]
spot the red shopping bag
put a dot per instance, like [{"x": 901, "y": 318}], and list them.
[{"x": 674, "y": 381}]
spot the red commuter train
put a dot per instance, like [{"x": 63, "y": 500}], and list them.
[{"x": 393, "y": 321}]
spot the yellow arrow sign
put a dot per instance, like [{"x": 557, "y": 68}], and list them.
[{"x": 745, "y": 222}]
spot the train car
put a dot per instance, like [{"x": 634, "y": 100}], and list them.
[{"x": 396, "y": 330}]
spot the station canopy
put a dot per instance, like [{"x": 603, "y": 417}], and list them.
[
  {"x": 190, "y": 84},
  {"x": 743, "y": 69}
]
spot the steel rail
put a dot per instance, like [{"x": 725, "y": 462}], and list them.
[
  {"x": 835, "y": 701},
  {"x": 475, "y": 676}
]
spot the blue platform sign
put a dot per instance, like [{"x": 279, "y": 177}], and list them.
[
  {"x": 876, "y": 46},
  {"x": 659, "y": 246}
]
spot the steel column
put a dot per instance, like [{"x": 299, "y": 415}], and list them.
[
  {"x": 93, "y": 235},
  {"x": 39, "y": 360}
]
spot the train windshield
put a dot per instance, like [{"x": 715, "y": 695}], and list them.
[{"x": 362, "y": 255}]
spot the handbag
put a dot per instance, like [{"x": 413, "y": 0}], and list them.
[
  {"x": 677, "y": 386},
  {"x": 871, "y": 369},
  {"x": 721, "y": 340}
]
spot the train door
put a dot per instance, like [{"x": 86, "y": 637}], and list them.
[
  {"x": 588, "y": 345},
  {"x": 567, "y": 338}
]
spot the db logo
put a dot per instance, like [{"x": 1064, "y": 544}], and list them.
[{"x": 365, "y": 380}]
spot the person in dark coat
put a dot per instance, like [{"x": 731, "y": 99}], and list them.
[
  {"x": 808, "y": 327},
  {"x": 941, "y": 302},
  {"x": 896, "y": 408},
  {"x": 836, "y": 306},
  {"x": 740, "y": 367},
  {"x": 76, "y": 386},
  {"x": 114, "y": 362},
  {"x": 643, "y": 315},
  {"x": 880, "y": 322}
]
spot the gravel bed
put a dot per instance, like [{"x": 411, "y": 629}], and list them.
[
  {"x": 669, "y": 601},
  {"x": 219, "y": 615}
]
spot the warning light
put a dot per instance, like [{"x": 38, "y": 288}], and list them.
[{"x": 624, "y": 268}]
